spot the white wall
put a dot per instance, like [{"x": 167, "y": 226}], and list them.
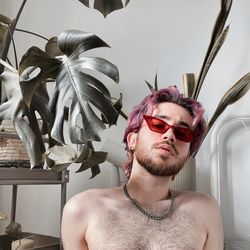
[{"x": 170, "y": 37}]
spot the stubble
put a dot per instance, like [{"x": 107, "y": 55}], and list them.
[{"x": 160, "y": 165}]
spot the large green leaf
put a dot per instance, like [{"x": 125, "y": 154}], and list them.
[
  {"x": 106, "y": 6},
  {"x": 79, "y": 96},
  {"x": 24, "y": 119},
  {"x": 82, "y": 91},
  {"x": 35, "y": 68}
]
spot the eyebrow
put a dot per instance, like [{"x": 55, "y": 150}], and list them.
[{"x": 181, "y": 123}]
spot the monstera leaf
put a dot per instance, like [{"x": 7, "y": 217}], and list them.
[
  {"x": 106, "y": 6},
  {"x": 59, "y": 158},
  {"x": 24, "y": 118},
  {"x": 82, "y": 92},
  {"x": 79, "y": 98}
]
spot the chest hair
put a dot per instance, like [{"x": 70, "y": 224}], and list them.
[{"x": 128, "y": 229}]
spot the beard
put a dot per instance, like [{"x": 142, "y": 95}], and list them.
[{"x": 159, "y": 168}]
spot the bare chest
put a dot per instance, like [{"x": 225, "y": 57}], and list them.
[{"x": 129, "y": 229}]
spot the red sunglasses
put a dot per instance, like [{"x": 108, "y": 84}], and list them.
[{"x": 159, "y": 126}]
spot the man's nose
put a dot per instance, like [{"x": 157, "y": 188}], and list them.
[{"x": 169, "y": 136}]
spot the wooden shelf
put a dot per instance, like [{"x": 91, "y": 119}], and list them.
[{"x": 24, "y": 176}]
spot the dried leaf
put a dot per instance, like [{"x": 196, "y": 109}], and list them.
[
  {"x": 217, "y": 32},
  {"x": 189, "y": 83},
  {"x": 151, "y": 88},
  {"x": 219, "y": 42},
  {"x": 237, "y": 91},
  {"x": 220, "y": 21}
]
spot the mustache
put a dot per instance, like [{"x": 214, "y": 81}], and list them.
[
  {"x": 168, "y": 143},
  {"x": 173, "y": 146}
]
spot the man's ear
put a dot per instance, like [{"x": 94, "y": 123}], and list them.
[{"x": 131, "y": 139}]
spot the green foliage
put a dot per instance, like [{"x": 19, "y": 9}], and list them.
[{"x": 79, "y": 99}]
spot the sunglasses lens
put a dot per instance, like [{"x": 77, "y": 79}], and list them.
[
  {"x": 184, "y": 134},
  {"x": 159, "y": 126},
  {"x": 156, "y": 125}
]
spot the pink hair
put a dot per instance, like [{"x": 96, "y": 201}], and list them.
[{"x": 170, "y": 94}]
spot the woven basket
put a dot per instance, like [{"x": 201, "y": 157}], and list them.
[{"x": 12, "y": 151}]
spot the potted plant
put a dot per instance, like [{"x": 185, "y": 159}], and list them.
[{"x": 36, "y": 114}]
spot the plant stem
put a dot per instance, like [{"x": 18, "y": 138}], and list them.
[
  {"x": 9, "y": 38},
  {"x": 14, "y": 48},
  {"x": 32, "y": 33}
]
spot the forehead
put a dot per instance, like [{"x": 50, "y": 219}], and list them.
[{"x": 173, "y": 112}]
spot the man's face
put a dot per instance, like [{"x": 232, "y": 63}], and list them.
[{"x": 163, "y": 154}]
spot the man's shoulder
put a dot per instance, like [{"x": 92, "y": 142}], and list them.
[
  {"x": 198, "y": 199},
  {"x": 89, "y": 198}
]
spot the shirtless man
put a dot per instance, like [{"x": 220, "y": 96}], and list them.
[{"x": 163, "y": 131}]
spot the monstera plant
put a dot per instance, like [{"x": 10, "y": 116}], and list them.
[{"x": 79, "y": 98}]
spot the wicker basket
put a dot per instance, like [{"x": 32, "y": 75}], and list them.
[{"x": 12, "y": 151}]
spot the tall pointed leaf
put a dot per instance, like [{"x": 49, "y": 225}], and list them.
[
  {"x": 220, "y": 22},
  {"x": 216, "y": 33},
  {"x": 237, "y": 91},
  {"x": 189, "y": 83},
  {"x": 151, "y": 88},
  {"x": 219, "y": 42}
]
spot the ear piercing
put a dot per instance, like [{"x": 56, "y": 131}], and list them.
[{"x": 131, "y": 149}]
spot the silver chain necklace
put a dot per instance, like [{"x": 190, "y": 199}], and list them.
[{"x": 150, "y": 216}]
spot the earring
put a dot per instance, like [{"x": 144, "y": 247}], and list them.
[{"x": 132, "y": 149}]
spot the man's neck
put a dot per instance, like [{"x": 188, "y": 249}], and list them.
[{"x": 145, "y": 187}]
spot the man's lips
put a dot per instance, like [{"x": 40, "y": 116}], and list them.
[{"x": 167, "y": 148}]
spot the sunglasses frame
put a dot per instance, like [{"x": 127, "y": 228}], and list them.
[{"x": 188, "y": 134}]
